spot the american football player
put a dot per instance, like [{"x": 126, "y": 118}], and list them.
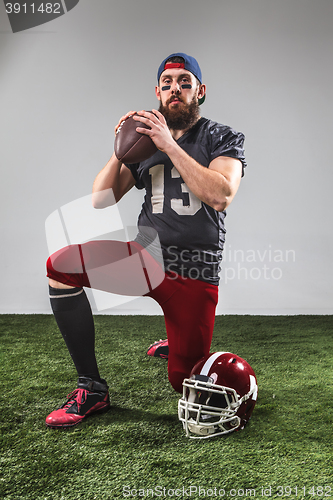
[{"x": 175, "y": 258}]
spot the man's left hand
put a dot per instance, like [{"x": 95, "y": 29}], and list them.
[{"x": 158, "y": 132}]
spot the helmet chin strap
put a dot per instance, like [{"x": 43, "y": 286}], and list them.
[{"x": 203, "y": 432}]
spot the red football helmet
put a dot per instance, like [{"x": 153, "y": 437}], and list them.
[{"x": 219, "y": 397}]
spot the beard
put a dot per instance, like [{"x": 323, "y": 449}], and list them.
[{"x": 183, "y": 118}]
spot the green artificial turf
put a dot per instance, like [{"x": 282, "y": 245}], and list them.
[{"x": 138, "y": 449}]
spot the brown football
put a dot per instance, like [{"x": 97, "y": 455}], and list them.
[{"x": 130, "y": 146}]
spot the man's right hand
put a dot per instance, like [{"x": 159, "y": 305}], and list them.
[{"x": 122, "y": 119}]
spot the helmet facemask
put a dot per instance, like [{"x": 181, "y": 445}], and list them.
[{"x": 207, "y": 409}]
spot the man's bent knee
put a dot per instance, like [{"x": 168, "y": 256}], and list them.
[
  {"x": 176, "y": 380},
  {"x": 60, "y": 279}
]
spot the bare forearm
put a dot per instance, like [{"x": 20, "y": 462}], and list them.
[
  {"x": 208, "y": 185},
  {"x": 112, "y": 182},
  {"x": 108, "y": 176},
  {"x": 106, "y": 179}
]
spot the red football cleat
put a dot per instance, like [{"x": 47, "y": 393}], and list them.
[
  {"x": 89, "y": 397},
  {"x": 159, "y": 349}
]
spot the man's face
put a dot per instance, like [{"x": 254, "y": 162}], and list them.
[{"x": 178, "y": 92}]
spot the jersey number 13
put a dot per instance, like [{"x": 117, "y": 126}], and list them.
[{"x": 177, "y": 204}]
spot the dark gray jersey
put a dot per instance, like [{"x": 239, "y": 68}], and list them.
[{"x": 191, "y": 233}]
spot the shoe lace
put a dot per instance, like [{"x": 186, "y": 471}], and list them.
[{"x": 78, "y": 396}]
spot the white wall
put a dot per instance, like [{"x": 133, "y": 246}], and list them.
[{"x": 268, "y": 68}]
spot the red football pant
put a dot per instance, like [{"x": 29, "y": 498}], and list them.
[{"x": 128, "y": 269}]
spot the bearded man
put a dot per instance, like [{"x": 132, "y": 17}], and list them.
[{"x": 188, "y": 182}]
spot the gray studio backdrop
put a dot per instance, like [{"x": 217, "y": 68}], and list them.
[{"x": 268, "y": 69}]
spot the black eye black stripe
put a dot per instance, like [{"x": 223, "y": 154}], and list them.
[{"x": 185, "y": 86}]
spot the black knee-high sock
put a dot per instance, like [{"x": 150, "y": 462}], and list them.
[{"x": 73, "y": 315}]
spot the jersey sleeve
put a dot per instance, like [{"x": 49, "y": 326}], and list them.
[
  {"x": 228, "y": 142},
  {"x": 134, "y": 168}
]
